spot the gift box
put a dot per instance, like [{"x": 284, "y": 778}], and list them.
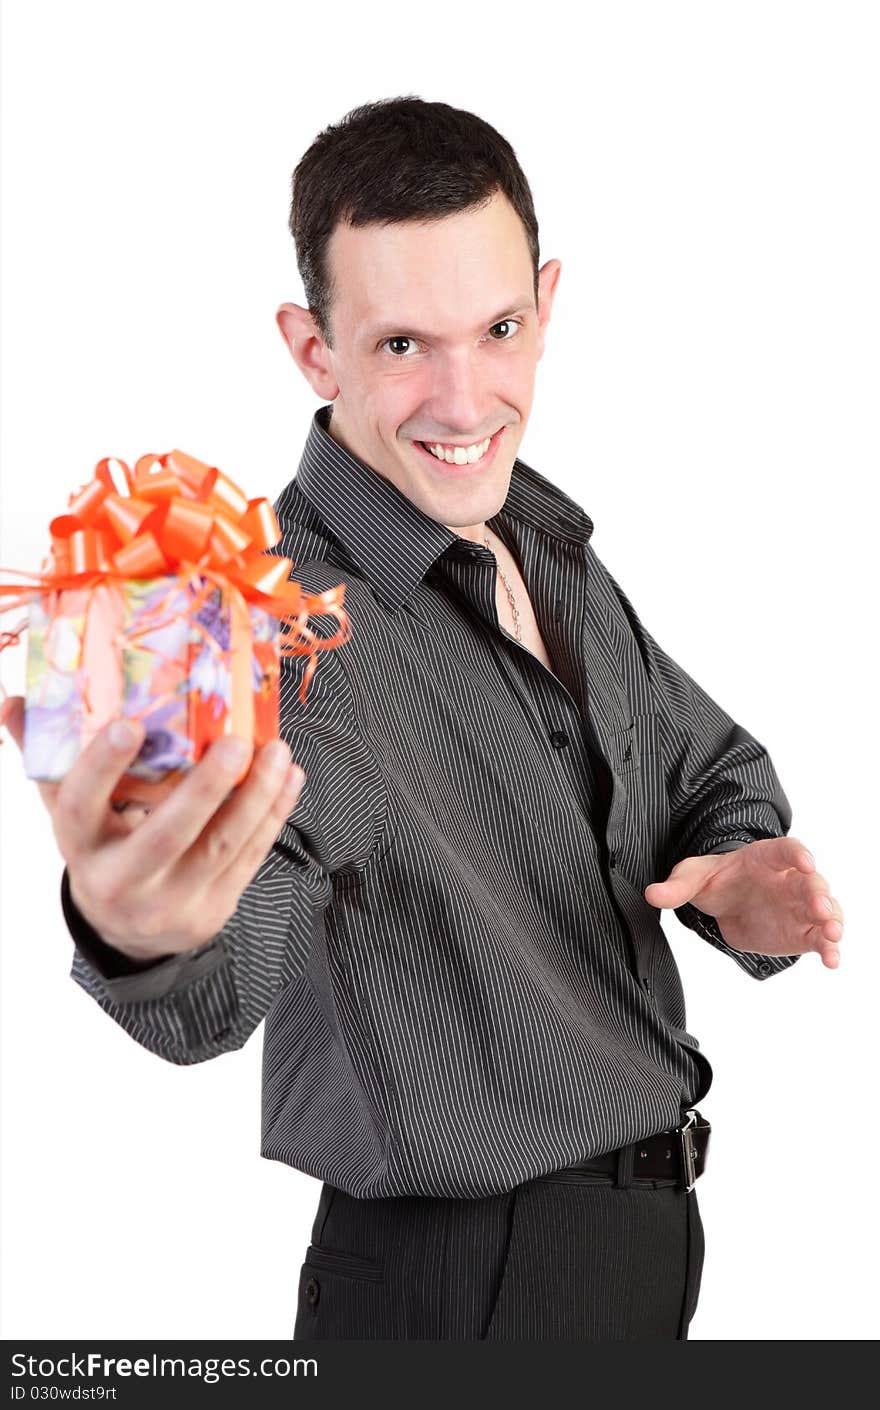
[
  {"x": 159, "y": 602},
  {"x": 189, "y": 674}
]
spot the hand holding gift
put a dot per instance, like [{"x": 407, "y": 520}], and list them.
[
  {"x": 157, "y": 622},
  {"x": 158, "y": 881}
]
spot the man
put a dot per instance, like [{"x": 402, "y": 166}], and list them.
[{"x": 475, "y": 1028}]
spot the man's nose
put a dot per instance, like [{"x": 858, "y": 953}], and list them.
[{"x": 459, "y": 403}]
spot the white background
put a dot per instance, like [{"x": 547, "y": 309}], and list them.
[{"x": 707, "y": 174}]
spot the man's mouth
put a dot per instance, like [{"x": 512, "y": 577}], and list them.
[{"x": 460, "y": 459}]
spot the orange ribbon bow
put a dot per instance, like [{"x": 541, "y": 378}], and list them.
[{"x": 180, "y": 517}]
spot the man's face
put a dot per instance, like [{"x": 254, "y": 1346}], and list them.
[{"x": 436, "y": 340}]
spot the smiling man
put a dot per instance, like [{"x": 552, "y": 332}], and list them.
[{"x": 475, "y": 1027}]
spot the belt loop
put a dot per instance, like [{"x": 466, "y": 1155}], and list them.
[{"x": 624, "y": 1174}]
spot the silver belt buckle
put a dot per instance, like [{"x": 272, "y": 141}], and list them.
[{"x": 688, "y": 1152}]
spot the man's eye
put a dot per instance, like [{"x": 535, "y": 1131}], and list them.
[
  {"x": 506, "y": 323},
  {"x": 398, "y": 338},
  {"x": 404, "y": 338}
]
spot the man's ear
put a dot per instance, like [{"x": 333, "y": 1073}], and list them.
[
  {"x": 548, "y": 279},
  {"x": 308, "y": 349}
]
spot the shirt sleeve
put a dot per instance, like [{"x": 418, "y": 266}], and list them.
[
  {"x": 722, "y": 786},
  {"x": 196, "y": 1005}
]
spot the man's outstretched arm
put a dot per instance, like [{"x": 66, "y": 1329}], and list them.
[
  {"x": 762, "y": 905},
  {"x": 189, "y": 924}
]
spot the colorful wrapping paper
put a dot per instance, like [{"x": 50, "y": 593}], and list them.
[{"x": 161, "y": 603}]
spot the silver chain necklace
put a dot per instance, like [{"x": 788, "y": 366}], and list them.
[{"x": 514, "y": 609}]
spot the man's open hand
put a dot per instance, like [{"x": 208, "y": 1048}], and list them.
[{"x": 767, "y": 897}]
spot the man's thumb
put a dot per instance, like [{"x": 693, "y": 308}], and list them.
[{"x": 683, "y": 882}]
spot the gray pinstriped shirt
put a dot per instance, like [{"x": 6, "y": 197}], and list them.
[{"x": 462, "y": 983}]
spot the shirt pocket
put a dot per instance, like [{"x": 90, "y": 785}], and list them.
[
  {"x": 639, "y": 817},
  {"x": 637, "y": 741}
]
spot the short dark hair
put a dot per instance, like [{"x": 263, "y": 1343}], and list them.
[{"x": 395, "y": 160}]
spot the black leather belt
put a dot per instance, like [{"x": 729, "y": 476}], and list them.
[{"x": 679, "y": 1154}]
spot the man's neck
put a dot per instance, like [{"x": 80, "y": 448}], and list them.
[{"x": 477, "y": 532}]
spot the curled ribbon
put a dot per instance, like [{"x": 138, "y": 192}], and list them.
[{"x": 181, "y": 518}]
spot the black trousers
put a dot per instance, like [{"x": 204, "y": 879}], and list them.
[{"x": 570, "y": 1256}]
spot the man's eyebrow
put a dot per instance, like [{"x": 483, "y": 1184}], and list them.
[{"x": 386, "y": 330}]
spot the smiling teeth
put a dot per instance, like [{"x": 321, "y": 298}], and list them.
[{"x": 460, "y": 455}]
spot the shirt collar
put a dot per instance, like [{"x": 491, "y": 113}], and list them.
[{"x": 392, "y": 541}]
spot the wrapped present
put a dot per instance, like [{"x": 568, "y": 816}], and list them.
[{"x": 159, "y": 602}]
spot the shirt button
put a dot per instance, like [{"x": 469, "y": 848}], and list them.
[
  {"x": 558, "y": 609},
  {"x": 559, "y": 739},
  {"x": 313, "y": 1290},
  {"x": 765, "y": 967},
  {"x": 612, "y": 859}
]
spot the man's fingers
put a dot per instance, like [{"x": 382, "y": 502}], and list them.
[
  {"x": 242, "y": 870},
  {"x": 821, "y": 907},
  {"x": 827, "y": 947},
  {"x": 126, "y": 816},
  {"x": 95, "y": 762},
  {"x": 209, "y": 901},
  {"x": 814, "y": 906},
  {"x": 82, "y": 800},
  {"x": 12, "y": 716},
  {"x": 218, "y": 845},
  {"x": 185, "y": 819}
]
